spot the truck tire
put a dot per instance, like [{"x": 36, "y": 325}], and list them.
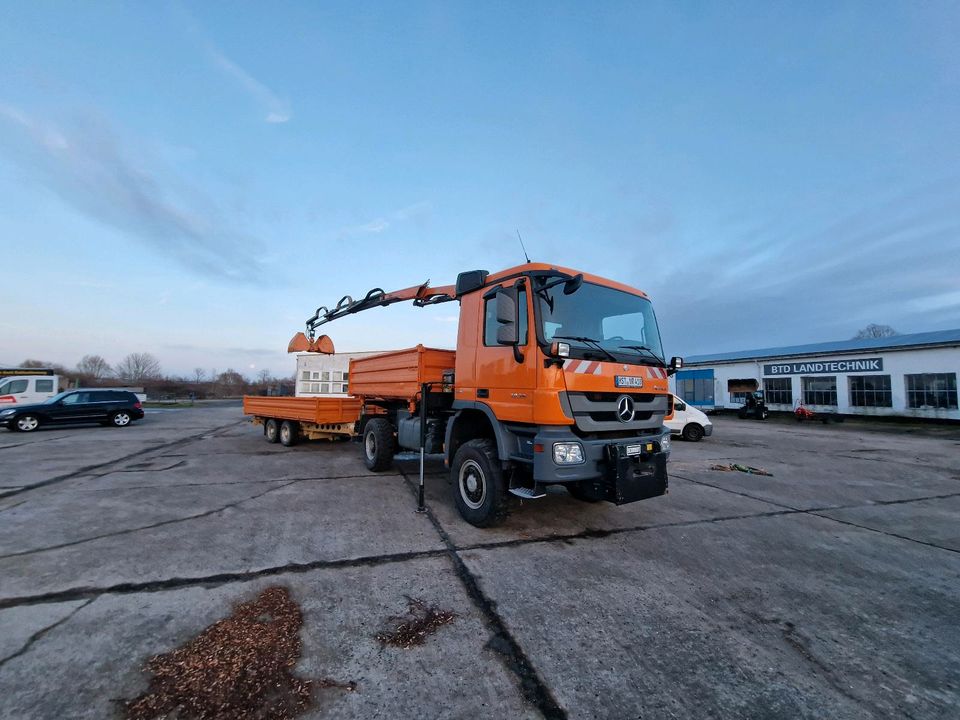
[
  {"x": 479, "y": 490},
  {"x": 378, "y": 444},
  {"x": 692, "y": 432},
  {"x": 288, "y": 433},
  {"x": 271, "y": 431}
]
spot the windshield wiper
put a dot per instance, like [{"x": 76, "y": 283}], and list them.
[
  {"x": 594, "y": 343},
  {"x": 644, "y": 348}
]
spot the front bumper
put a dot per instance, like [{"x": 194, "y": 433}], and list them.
[
  {"x": 707, "y": 430},
  {"x": 609, "y": 471}
]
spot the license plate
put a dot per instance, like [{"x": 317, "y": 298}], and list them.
[
  {"x": 638, "y": 449},
  {"x": 628, "y": 381}
]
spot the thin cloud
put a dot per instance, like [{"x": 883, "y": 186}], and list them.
[
  {"x": 378, "y": 225},
  {"x": 93, "y": 171},
  {"x": 276, "y": 109}
]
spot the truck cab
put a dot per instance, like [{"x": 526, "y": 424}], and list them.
[
  {"x": 27, "y": 389},
  {"x": 560, "y": 379}
]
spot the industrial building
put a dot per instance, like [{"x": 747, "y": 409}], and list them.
[
  {"x": 323, "y": 375},
  {"x": 907, "y": 375}
]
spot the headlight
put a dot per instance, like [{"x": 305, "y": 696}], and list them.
[
  {"x": 665, "y": 443},
  {"x": 7, "y": 413},
  {"x": 568, "y": 453}
]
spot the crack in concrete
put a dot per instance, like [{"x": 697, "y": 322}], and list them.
[
  {"x": 89, "y": 468},
  {"x": 818, "y": 512},
  {"x": 162, "y": 523},
  {"x": 32, "y": 442},
  {"x": 151, "y": 586},
  {"x": 226, "y": 482},
  {"x": 43, "y": 631},
  {"x": 532, "y": 687}
]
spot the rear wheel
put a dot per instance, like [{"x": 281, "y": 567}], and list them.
[
  {"x": 378, "y": 444},
  {"x": 763, "y": 414},
  {"x": 692, "y": 432},
  {"x": 271, "y": 431},
  {"x": 27, "y": 423},
  {"x": 479, "y": 490},
  {"x": 121, "y": 418},
  {"x": 288, "y": 433}
]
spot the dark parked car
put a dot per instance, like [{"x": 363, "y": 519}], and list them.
[{"x": 107, "y": 407}]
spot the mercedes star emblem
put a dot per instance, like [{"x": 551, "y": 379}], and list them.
[{"x": 625, "y": 408}]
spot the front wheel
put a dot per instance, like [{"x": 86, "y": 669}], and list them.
[
  {"x": 693, "y": 432},
  {"x": 478, "y": 485},
  {"x": 271, "y": 431},
  {"x": 27, "y": 423}
]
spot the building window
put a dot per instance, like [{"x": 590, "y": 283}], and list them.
[
  {"x": 304, "y": 387},
  {"x": 870, "y": 391},
  {"x": 316, "y": 375},
  {"x": 305, "y": 375},
  {"x": 346, "y": 376},
  {"x": 696, "y": 391},
  {"x": 778, "y": 391},
  {"x": 314, "y": 387},
  {"x": 337, "y": 376},
  {"x": 820, "y": 390},
  {"x": 324, "y": 388},
  {"x": 932, "y": 391},
  {"x": 343, "y": 388},
  {"x": 490, "y": 323},
  {"x": 739, "y": 397},
  {"x": 325, "y": 375}
]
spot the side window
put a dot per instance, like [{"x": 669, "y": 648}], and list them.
[
  {"x": 490, "y": 323},
  {"x": 71, "y": 399},
  {"x": 680, "y": 406},
  {"x": 15, "y": 386},
  {"x": 44, "y": 385}
]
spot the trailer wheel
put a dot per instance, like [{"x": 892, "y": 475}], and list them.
[
  {"x": 378, "y": 444},
  {"x": 288, "y": 433},
  {"x": 479, "y": 490},
  {"x": 692, "y": 432},
  {"x": 271, "y": 431}
]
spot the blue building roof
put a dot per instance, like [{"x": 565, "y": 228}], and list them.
[{"x": 939, "y": 337}]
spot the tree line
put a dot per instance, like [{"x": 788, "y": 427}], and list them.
[{"x": 144, "y": 370}]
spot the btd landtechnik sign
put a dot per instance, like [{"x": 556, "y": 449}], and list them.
[{"x": 824, "y": 367}]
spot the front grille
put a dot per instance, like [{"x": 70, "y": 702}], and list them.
[{"x": 597, "y": 411}]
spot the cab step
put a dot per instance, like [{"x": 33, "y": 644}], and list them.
[{"x": 528, "y": 493}]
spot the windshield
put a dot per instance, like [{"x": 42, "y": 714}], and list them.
[{"x": 621, "y": 323}]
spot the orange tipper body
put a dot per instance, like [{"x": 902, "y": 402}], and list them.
[{"x": 558, "y": 378}]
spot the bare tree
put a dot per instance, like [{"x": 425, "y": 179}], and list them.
[
  {"x": 263, "y": 377},
  {"x": 136, "y": 367},
  {"x": 875, "y": 331},
  {"x": 31, "y": 363},
  {"x": 199, "y": 374},
  {"x": 93, "y": 367}
]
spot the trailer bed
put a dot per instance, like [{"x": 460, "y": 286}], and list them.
[{"x": 316, "y": 410}]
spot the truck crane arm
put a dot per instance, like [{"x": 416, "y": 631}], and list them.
[{"x": 421, "y": 295}]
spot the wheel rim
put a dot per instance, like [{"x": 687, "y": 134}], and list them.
[
  {"x": 121, "y": 419},
  {"x": 271, "y": 430},
  {"x": 370, "y": 446},
  {"x": 27, "y": 423},
  {"x": 285, "y": 433},
  {"x": 473, "y": 485}
]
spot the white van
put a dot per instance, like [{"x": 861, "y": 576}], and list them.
[
  {"x": 688, "y": 422},
  {"x": 27, "y": 389}
]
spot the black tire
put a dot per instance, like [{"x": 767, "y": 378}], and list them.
[
  {"x": 692, "y": 432},
  {"x": 27, "y": 422},
  {"x": 289, "y": 433},
  {"x": 271, "y": 431},
  {"x": 482, "y": 501},
  {"x": 762, "y": 415},
  {"x": 379, "y": 444},
  {"x": 121, "y": 418},
  {"x": 577, "y": 491}
]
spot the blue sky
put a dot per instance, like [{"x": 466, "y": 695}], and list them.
[{"x": 193, "y": 180}]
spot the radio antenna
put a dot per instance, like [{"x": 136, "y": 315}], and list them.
[{"x": 522, "y": 247}]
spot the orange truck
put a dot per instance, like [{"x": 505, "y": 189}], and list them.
[{"x": 558, "y": 378}]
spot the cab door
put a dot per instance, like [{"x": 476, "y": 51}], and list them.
[{"x": 506, "y": 375}]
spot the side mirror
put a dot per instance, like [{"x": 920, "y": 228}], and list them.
[
  {"x": 675, "y": 364},
  {"x": 508, "y": 318}
]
